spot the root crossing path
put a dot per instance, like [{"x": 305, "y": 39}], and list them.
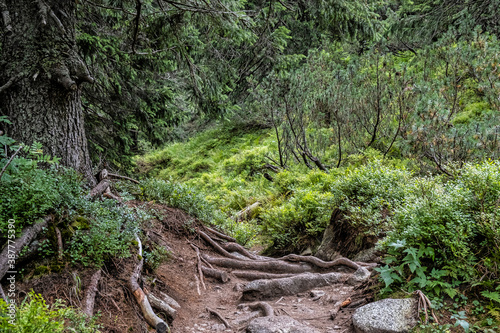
[{"x": 212, "y": 284}]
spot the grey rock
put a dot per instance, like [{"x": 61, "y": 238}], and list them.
[
  {"x": 368, "y": 255},
  {"x": 386, "y": 316},
  {"x": 280, "y": 324},
  {"x": 360, "y": 276}
]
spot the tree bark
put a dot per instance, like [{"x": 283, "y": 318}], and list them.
[{"x": 44, "y": 103}]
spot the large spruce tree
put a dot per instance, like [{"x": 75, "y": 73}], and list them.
[{"x": 41, "y": 74}]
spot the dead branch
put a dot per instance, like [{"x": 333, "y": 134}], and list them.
[
  {"x": 169, "y": 300},
  {"x": 161, "y": 305},
  {"x": 114, "y": 175},
  {"x": 60, "y": 247},
  {"x": 265, "y": 307},
  {"x": 99, "y": 188},
  {"x": 247, "y": 212},
  {"x": 320, "y": 263},
  {"x": 220, "y": 234},
  {"x": 265, "y": 265},
  {"x": 224, "y": 321},
  {"x": 215, "y": 273},
  {"x": 9, "y": 83},
  {"x": 11, "y": 252},
  {"x": 140, "y": 297},
  {"x": 88, "y": 301},
  {"x": 259, "y": 275},
  {"x": 10, "y": 160},
  {"x": 110, "y": 195},
  {"x": 289, "y": 286}
]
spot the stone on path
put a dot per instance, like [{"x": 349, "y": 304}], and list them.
[
  {"x": 386, "y": 316},
  {"x": 279, "y": 324}
]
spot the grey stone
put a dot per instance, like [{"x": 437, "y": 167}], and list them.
[
  {"x": 368, "y": 255},
  {"x": 280, "y": 324},
  {"x": 360, "y": 276},
  {"x": 386, "y": 316}
]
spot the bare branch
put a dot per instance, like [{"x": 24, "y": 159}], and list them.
[{"x": 9, "y": 161}]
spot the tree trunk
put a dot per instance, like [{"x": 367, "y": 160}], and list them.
[{"x": 44, "y": 102}]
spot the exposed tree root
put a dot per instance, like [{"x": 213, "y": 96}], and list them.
[
  {"x": 11, "y": 251},
  {"x": 224, "y": 321},
  {"x": 89, "y": 300},
  {"x": 220, "y": 234},
  {"x": 260, "y": 289},
  {"x": 320, "y": 263},
  {"x": 266, "y": 266},
  {"x": 142, "y": 300},
  {"x": 235, "y": 247},
  {"x": 259, "y": 275},
  {"x": 161, "y": 305},
  {"x": 215, "y": 273},
  {"x": 216, "y": 246},
  {"x": 265, "y": 307}
]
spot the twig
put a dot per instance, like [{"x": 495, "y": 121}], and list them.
[
  {"x": 9, "y": 161},
  {"x": 224, "y": 321}
]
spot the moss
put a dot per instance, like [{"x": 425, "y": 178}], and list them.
[
  {"x": 56, "y": 267},
  {"x": 81, "y": 223},
  {"x": 41, "y": 270}
]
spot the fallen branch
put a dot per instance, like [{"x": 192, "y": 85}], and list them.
[
  {"x": 142, "y": 300},
  {"x": 265, "y": 265},
  {"x": 220, "y": 234},
  {"x": 110, "y": 195},
  {"x": 215, "y": 273},
  {"x": 169, "y": 300},
  {"x": 89, "y": 300},
  {"x": 290, "y": 286},
  {"x": 200, "y": 271},
  {"x": 123, "y": 177},
  {"x": 224, "y": 321},
  {"x": 247, "y": 212},
  {"x": 265, "y": 307},
  {"x": 11, "y": 252},
  {"x": 259, "y": 275},
  {"x": 161, "y": 305}
]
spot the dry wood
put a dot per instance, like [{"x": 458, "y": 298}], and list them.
[
  {"x": 320, "y": 263},
  {"x": 260, "y": 289},
  {"x": 220, "y": 234},
  {"x": 169, "y": 300},
  {"x": 247, "y": 212},
  {"x": 258, "y": 275},
  {"x": 110, "y": 195},
  {"x": 60, "y": 247},
  {"x": 265, "y": 307},
  {"x": 123, "y": 177},
  {"x": 215, "y": 273},
  {"x": 99, "y": 188},
  {"x": 335, "y": 310},
  {"x": 161, "y": 305},
  {"x": 262, "y": 265},
  {"x": 216, "y": 246},
  {"x": 224, "y": 321},
  {"x": 11, "y": 251},
  {"x": 142, "y": 300},
  {"x": 89, "y": 300}
]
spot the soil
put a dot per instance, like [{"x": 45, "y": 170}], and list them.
[{"x": 177, "y": 278}]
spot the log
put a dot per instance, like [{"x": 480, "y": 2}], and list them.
[
  {"x": 261, "y": 289},
  {"x": 169, "y": 300},
  {"x": 262, "y": 265},
  {"x": 110, "y": 195},
  {"x": 99, "y": 188},
  {"x": 161, "y": 305},
  {"x": 265, "y": 307},
  {"x": 215, "y": 273},
  {"x": 142, "y": 300},
  {"x": 11, "y": 251},
  {"x": 259, "y": 275},
  {"x": 89, "y": 300},
  {"x": 244, "y": 214}
]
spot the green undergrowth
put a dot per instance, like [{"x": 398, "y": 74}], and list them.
[{"x": 440, "y": 233}]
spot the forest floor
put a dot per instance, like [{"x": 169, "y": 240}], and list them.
[{"x": 178, "y": 277}]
